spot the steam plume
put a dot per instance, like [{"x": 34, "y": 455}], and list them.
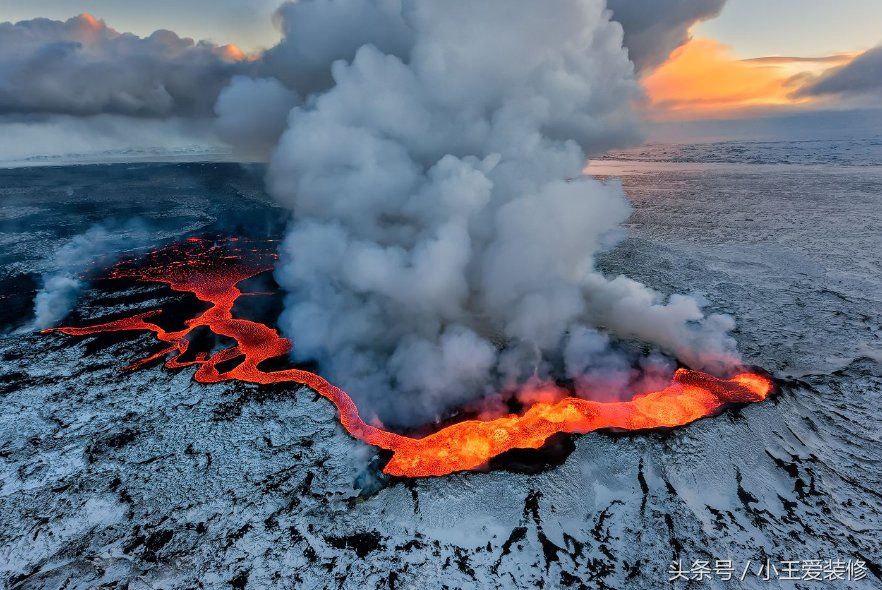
[
  {"x": 251, "y": 113},
  {"x": 443, "y": 238},
  {"x": 62, "y": 286}
]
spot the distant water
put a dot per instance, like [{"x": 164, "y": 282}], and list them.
[
  {"x": 840, "y": 152},
  {"x": 178, "y": 154}
]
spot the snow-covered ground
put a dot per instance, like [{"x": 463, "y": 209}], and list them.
[{"x": 149, "y": 480}]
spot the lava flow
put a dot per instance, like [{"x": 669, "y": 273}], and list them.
[{"x": 212, "y": 272}]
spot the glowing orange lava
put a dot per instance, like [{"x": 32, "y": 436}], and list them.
[{"x": 212, "y": 273}]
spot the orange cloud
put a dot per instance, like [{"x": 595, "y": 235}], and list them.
[
  {"x": 91, "y": 21},
  {"x": 231, "y": 52},
  {"x": 703, "y": 79}
]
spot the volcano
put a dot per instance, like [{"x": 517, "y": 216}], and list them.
[
  {"x": 213, "y": 270},
  {"x": 123, "y": 477}
]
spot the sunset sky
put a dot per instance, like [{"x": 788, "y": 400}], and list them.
[
  {"x": 755, "y": 57},
  {"x": 746, "y": 68},
  {"x": 705, "y": 79},
  {"x": 751, "y": 59},
  {"x": 752, "y": 28}
]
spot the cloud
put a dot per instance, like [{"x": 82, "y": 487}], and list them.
[
  {"x": 654, "y": 29},
  {"x": 83, "y": 67},
  {"x": 861, "y": 77},
  {"x": 247, "y": 23},
  {"x": 837, "y": 59},
  {"x": 702, "y": 78}
]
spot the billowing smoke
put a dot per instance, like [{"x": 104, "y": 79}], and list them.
[
  {"x": 443, "y": 236},
  {"x": 83, "y": 67},
  {"x": 252, "y": 113},
  {"x": 603, "y": 369},
  {"x": 63, "y": 284},
  {"x": 317, "y": 33}
]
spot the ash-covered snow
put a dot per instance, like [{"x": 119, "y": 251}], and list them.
[{"x": 150, "y": 480}]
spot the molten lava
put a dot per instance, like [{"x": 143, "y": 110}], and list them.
[{"x": 212, "y": 272}]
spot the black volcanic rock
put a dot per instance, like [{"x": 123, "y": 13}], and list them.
[{"x": 148, "y": 479}]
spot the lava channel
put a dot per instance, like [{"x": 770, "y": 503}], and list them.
[{"x": 212, "y": 272}]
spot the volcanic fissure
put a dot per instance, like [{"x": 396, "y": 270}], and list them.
[{"x": 212, "y": 272}]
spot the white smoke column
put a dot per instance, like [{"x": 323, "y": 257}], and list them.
[
  {"x": 443, "y": 237},
  {"x": 605, "y": 371},
  {"x": 251, "y": 113},
  {"x": 63, "y": 284}
]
